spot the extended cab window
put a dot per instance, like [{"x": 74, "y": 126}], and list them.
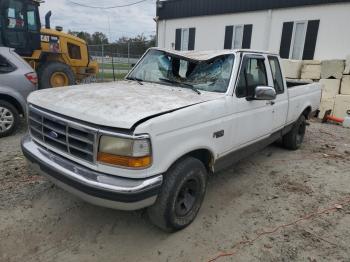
[
  {"x": 252, "y": 74},
  {"x": 276, "y": 74},
  {"x": 74, "y": 51}
]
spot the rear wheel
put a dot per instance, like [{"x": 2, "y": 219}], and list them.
[
  {"x": 55, "y": 74},
  {"x": 9, "y": 118},
  {"x": 294, "y": 139},
  {"x": 181, "y": 196}
]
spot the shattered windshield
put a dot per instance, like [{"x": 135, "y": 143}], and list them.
[{"x": 165, "y": 68}]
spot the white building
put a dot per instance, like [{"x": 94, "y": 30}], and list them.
[{"x": 297, "y": 29}]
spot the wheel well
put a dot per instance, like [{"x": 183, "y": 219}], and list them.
[
  {"x": 13, "y": 102},
  {"x": 205, "y": 156},
  {"x": 307, "y": 112}
]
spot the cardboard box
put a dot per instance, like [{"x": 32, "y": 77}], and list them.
[
  {"x": 311, "y": 72},
  {"x": 292, "y": 68},
  {"x": 330, "y": 88},
  {"x": 332, "y": 69},
  {"x": 326, "y": 104},
  {"x": 341, "y": 105},
  {"x": 345, "y": 85}
]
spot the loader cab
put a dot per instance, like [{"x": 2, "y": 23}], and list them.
[{"x": 20, "y": 25}]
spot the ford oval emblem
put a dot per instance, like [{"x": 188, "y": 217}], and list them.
[{"x": 53, "y": 134}]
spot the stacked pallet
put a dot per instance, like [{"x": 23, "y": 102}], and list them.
[{"x": 334, "y": 75}]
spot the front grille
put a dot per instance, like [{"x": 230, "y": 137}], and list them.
[{"x": 62, "y": 135}]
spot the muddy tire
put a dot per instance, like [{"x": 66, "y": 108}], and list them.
[
  {"x": 294, "y": 139},
  {"x": 181, "y": 196},
  {"x": 55, "y": 74},
  {"x": 9, "y": 118}
]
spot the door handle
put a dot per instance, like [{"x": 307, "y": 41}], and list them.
[{"x": 271, "y": 103}]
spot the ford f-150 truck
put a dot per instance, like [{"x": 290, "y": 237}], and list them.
[{"x": 153, "y": 139}]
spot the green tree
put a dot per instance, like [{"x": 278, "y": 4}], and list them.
[
  {"x": 99, "y": 38},
  {"x": 82, "y": 35}
]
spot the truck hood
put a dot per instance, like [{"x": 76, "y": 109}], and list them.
[{"x": 117, "y": 104}]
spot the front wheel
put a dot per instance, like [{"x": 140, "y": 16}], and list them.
[
  {"x": 181, "y": 196},
  {"x": 9, "y": 118},
  {"x": 294, "y": 139}
]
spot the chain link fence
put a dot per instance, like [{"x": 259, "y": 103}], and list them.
[{"x": 116, "y": 60}]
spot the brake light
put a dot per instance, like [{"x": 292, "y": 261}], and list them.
[{"x": 32, "y": 77}]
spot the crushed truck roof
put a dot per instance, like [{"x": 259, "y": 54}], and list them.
[{"x": 209, "y": 54}]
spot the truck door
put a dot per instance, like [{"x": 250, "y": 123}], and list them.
[
  {"x": 252, "y": 118},
  {"x": 280, "y": 105}
]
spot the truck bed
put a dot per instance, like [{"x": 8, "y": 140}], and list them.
[{"x": 300, "y": 96}]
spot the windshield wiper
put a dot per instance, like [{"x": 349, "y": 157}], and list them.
[
  {"x": 139, "y": 80},
  {"x": 184, "y": 85}
]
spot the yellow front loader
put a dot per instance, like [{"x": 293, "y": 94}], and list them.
[{"x": 60, "y": 59}]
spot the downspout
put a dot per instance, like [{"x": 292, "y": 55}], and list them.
[
  {"x": 156, "y": 19},
  {"x": 268, "y": 30}
]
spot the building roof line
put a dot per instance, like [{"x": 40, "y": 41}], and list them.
[{"x": 173, "y": 9}]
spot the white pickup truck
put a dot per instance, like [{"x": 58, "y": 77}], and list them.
[{"x": 153, "y": 139}]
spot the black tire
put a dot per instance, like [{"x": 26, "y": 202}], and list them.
[
  {"x": 294, "y": 139},
  {"x": 11, "y": 113},
  {"x": 47, "y": 70},
  {"x": 181, "y": 195}
]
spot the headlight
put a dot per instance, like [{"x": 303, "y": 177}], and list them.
[{"x": 124, "y": 152}]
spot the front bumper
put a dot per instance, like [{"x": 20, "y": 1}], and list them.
[{"x": 96, "y": 188}]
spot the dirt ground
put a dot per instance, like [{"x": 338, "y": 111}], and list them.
[{"x": 40, "y": 222}]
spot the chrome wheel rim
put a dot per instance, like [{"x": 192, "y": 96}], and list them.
[{"x": 6, "y": 119}]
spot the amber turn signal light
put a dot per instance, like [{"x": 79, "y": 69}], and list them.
[{"x": 124, "y": 161}]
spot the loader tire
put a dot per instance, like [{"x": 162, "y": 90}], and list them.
[{"x": 55, "y": 74}]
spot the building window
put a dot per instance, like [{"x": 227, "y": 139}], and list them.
[
  {"x": 74, "y": 51},
  {"x": 238, "y": 36},
  {"x": 185, "y": 39},
  {"x": 299, "y": 39}
]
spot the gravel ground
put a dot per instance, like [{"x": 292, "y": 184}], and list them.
[{"x": 40, "y": 222}]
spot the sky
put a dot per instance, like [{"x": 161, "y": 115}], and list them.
[{"x": 126, "y": 21}]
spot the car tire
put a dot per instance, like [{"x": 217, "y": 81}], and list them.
[
  {"x": 49, "y": 70},
  {"x": 9, "y": 118},
  {"x": 181, "y": 195},
  {"x": 294, "y": 139}
]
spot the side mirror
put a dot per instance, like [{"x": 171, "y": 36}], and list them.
[{"x": 264, "y": 93}]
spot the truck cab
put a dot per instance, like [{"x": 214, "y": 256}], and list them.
[{"x": 20, "y": 26}]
